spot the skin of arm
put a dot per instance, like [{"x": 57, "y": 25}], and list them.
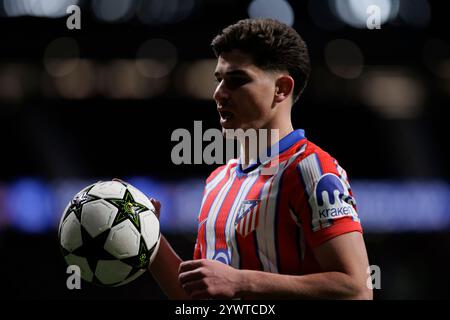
[
  {"x": 165, "y": 271},
  {"x": 343, "y": 260},
  {"x": 165, "y": 266}
]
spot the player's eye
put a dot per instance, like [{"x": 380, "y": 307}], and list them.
[{"x": 236, "y": 82}]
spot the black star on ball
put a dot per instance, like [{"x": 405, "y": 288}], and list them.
[{"x": 128, "y": 209}]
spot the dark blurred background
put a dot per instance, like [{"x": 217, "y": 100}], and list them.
[{"x": 78, "y": 106}]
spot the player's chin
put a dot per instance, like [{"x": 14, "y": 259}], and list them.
[{"x": 228, "y": 124}]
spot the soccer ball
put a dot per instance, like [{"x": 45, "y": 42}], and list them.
[{"x": 110, "y": 231}]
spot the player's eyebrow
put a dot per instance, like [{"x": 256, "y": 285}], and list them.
[{"x": 236, "y": 72}]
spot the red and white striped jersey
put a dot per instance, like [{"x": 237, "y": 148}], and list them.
[{"x": 257, "y": 221}]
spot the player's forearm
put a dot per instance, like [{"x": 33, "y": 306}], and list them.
[
  {"x": 327, "y": 285},
  {"x": 165, "y": 270}
]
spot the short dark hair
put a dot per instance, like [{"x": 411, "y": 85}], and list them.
[{"x": 273, "y": 46}]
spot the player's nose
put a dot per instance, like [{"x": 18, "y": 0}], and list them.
[{"x": 221, "y": 94}]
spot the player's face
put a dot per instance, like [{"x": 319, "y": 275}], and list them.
[{"x": 244, "y": 93}]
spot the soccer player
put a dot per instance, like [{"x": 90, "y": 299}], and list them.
[{"x": 292, "y": 234}]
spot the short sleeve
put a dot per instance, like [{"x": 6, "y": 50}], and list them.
[{"x": 323, "y": 200}]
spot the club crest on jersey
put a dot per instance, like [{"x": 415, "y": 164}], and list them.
[
  {"x": 331, "y": 200},
  {"x": 247, "y": 218}
]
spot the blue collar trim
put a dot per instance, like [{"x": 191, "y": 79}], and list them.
[{"x": 284, "y": 144}]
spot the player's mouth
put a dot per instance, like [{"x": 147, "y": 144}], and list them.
[{"x": 225, "y": 116}]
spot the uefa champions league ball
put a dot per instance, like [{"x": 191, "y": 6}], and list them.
[{"x": 110, "y": 231}]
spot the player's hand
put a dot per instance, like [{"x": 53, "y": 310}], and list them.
[
  {"x": 209, "y": 279},
  {"x": 157, "y": 206}
]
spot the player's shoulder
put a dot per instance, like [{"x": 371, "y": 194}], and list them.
[
  {"x": 313, "y": 155},
  {"x": 221, "y": 169},
  {"x": 309, "y": 149}
]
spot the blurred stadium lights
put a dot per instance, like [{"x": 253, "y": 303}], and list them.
[
  {"x": 61, "y": 56},
  {"x": 196, "y": 79},
  {"x": 415, "y": 13},
  {"x": 275, "y": 9},
  {"x": 37, "y": 8},
  {"x": 354, "y": 12},
  {"x": 395, "y": 94},
  {"x": 185, "y": 205},
  {"x": 403, "y": 206},
  {"x": 78, "y": 84},
  {"x": 80, "y": 79},
  {"x": 120, "y": 79},
  {"x": 156, "y": 58},
  {"x": 344, "y": 58},
  {"x": 30, "y": 204},
  {"x": 147, "y": 11},
  {"x": 114, "y": 10},
  {"x": 35, "y": 206},
  {"x": 144, "y": 77}
]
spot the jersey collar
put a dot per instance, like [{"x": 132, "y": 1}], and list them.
[{"x": 285, "y": 143}]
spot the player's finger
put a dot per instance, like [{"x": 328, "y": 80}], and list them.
[
  {"x": 190, "y": 265},
  {"x": 193, "y": 286},
  {"x": 192, "y": 275}
]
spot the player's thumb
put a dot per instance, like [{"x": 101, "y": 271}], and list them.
[{"x": 157, "y": 206}]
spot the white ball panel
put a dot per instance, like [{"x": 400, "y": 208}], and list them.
[
  {"x": 155, "y": 252},
  {"x": 123, "y": 240},
  {"x": 149, "y": 228},
  {"x": 112, "y": 271},
  {"x": 71, "y": 233},
  {"x": 86, "y": 272},
  {"x": 98, "y": 216},
  {"x": 133, "y": 277},
  {"x": 139, "y": 197},
  {"x": 108, "y": 190}
]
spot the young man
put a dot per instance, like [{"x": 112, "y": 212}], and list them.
[{"x": 291, "y": 234}]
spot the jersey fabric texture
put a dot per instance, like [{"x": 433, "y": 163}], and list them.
[{"x": 271, "y": 215}]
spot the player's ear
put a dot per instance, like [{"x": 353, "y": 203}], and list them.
[{"x": 284, "y": 86}]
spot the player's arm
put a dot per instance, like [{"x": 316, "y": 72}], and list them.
[
  {"x": 165, "y": 271},
  {"x": 164, "y": 267},
  {"x": 343, "y": 260},
  {"x": 344, "y": 264}
]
